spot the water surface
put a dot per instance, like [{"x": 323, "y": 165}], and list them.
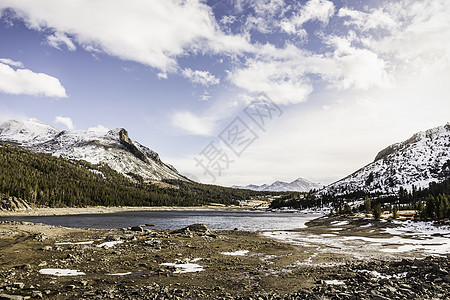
[{"x": 174, "y": 219}]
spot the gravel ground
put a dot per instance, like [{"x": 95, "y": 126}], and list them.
[{"x": 196, "y": 263}]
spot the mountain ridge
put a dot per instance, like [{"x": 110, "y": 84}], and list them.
[
  {"x": 111, "y": 147},
  {"x": 417, "y": 161},
  {"x": 298, "y": 185}
]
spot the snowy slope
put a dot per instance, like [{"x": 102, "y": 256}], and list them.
[
  {"x": 422, "y": 159},
  {"x": 113, "y": 147},
  {"x": 298, "y": 185}
]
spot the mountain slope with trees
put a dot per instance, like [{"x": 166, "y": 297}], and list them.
[{"x": 45, "y": 180}]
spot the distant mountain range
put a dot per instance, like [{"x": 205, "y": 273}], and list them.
[
  {"x": 298, "y": 185},
  {"x": 423, "y": 158},
  {"x": 113, "y": 148}
]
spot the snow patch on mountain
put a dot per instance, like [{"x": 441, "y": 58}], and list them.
[
  {"x": 423, "y": 158},
  {"x": 298, "y": 185},
  {"x": 113, "y": 147}
]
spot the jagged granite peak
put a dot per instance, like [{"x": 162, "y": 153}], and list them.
[
  {"x": 421, "y": 159},
  {"x": 113, "y": 147},
  {"x": 298, "y": 185}
]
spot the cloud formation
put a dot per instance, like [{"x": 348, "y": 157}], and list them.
[
  {"x": 12, "y": 63},
  {"x": 151, "y": 32},
  {"x": 66, "y": 121},
  {"x": 192, "y": 124},
  {"x": 200, "y": 77},
  {"x": 27, "y": 82}
]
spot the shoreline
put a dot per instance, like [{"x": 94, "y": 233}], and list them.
[{"x": 60, "y": 211}]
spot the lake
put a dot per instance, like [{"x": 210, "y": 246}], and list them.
[{"x": 174, "y": 219}]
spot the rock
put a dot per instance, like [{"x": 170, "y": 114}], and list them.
[
  {"x": 19, "y": 285},
  {"x": 199, "y": 229},
  {"x": 112, "y": 238},
  {"x": 37, "y": 294},
  {"x": 137, "y": 228},
  {"x": 10, "y": 297},
  {"x": 13, "y": 204},
  {"x": 150, "y": 225}
]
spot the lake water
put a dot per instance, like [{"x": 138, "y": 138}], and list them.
[{"x": 174, "y": 219}]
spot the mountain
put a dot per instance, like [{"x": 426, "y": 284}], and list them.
[
  {"x": 298, "y": 185},
  {"x": 423, "y": 158},
  {"x": 113, "y": 148}
]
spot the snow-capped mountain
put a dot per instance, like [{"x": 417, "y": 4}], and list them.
[
  {"x": 112, "y": 147},
  {"x": 298, "y": 185},
  {"x": 423, "y": 158}
]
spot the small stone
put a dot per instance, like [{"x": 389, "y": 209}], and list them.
[
  {"x": 19, "y": 285},
  {"x": 37, "y": 294}
]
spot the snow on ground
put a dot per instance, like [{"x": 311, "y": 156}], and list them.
[
  {"x": 236, "y": 253},
  {"x": 381, "y": 276},
  {"x": 61, "y": 272},
  {"x": 341, "y": 223},
  {"x": 120, "y": 274},
  {"x": 334, "y": 282},
  {"x": 109, "y": 244},
  {"x": 76, "y": 243},
  {"x": 186, "y": 266},
  {"x": 415, "y": 238}
]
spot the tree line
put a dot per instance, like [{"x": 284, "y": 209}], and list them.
[{"x": 44, "y": 180}]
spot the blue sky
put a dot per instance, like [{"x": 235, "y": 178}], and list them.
[{"x": 351, "y": 77}]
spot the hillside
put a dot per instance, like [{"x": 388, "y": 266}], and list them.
[
  {"x": 113, "y": 148},
  {"x": 418, "y": 161},
  {"x": 45, "y": 180}
]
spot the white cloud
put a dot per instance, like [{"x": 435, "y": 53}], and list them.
[
  {"x": 12, "y": 63},
  {"x": 356, "y": 67},
  {"x": 59, "y": 38},
  {"x": 282, "y": 82},
  {"x": 313, "y": 10},
  {"x": 27, "y": 82},
  {"x": 162, "y": 75},
  {"x": 151, "y": 32},
  {"x": 200, "y": 77},
  {"x": 99, "y": 129},
  {"x": 206, "y": 96},
  {"x": 192, "y": 124},
  {"x": 65, "y": 121}
]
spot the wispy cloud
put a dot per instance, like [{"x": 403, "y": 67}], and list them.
[
  {"x": 200, "y": 77},
  {"x": 12, "y": 63},
  {"x": 59, "y": 38},
  {"x": 193, "y": 124}
]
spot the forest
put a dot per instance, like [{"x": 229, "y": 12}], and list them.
[
  {"x": 44, "y": 180},
  {"x": 431, "y": 203}
]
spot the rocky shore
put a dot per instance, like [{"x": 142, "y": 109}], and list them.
[{"x": 49, "y": 262}]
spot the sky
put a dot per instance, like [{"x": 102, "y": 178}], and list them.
[{"x": 233, "y": 92}]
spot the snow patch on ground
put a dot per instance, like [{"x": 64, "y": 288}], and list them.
[
  {"x": 185, "y": 266},
  {"x": 76, "y": 243},
  {"x": 341, "y": 223},
  {"x": 334, "y": 282},
  {"x": 120, "y": 274},
  {"x": 109, "y": 244},
  {"x": 236, "y": 253},
  {"x": 61, "y": 272}
]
